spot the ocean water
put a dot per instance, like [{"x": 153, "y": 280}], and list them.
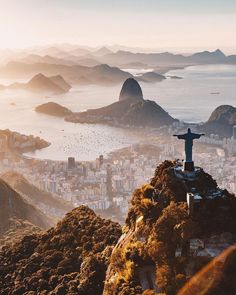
[{"x": 189, "y": 99}]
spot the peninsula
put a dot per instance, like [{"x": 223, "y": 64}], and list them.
[{"x": 131, "y": 110}]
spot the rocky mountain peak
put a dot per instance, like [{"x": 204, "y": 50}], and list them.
[{"x": 131, "y": 90}]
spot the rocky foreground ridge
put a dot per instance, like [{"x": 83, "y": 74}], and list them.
[
  {"x": 162, "y": 245},
  {"x": 71, "y": 258}
]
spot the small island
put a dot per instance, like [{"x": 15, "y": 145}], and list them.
[
  {"x": 151, "y": 77},
  {"x": 53, "y": 109},
  {"x": 175, "y": 77}
]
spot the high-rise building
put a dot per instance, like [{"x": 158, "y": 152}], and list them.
[
  {"x": 234, "y": 132},
  {"x": 101, "y": 158},
  {"x": 71, "y": 163},
  {"x": 109, "y": 182}
]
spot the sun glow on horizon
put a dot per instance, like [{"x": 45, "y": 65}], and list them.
[{"x": 28, "y": 23}]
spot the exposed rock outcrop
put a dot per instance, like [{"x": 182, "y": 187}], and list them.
[
  {"x": 163, "y": 245},
  {"x": 131, "y": 90},
  {"x": 221, "y": 121},
  {"x": 130, "y": 110}
]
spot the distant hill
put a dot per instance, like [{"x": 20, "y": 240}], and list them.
[
  {"x": 124, "y": 57},
  {"x": 53, "y": 109},
  {"x": 102, "y": 51},
  {"x": 104, "y": 74},
  {"x": 103, "y": 67},
  {"x": 209, "y": 57},
  {"x": 51, "y": 205},
  {"x": 13, "y": 205},
  {"x": 99, "y": 74},
  {"x": 60, "y": 82},
  {"x": 231, "y": 59},
  {"x": 41, "y": 83},
  {"x": 221, "y": 121},
  {"x": 86, "y": 61},
  {"x": 131, "y": 109},
  {"x": 151, "y": 77},
  {"x": 53, "y": 51},
  {"x": 79, "y": 52}
]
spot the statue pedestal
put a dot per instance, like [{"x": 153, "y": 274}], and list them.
[
  {"x": 186, "y": 174},
  {"x": 189, "y": 166}
]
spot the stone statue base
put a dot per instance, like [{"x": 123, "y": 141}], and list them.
[
  {"x": 186, "y": 174},
  {"x": 188, "y": 166}
]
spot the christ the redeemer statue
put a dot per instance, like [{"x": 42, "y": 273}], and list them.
[{"x": 189, "y": 137}]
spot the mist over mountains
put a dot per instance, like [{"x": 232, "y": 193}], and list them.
[{"x": 102, "y": 66}]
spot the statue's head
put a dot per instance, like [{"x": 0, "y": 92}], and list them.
[{"x": 189, "y": 130}]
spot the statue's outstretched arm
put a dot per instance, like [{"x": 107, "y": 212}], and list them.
[
  {"x": 182, "y": 136},
  {"x": 197, "y": 136}
]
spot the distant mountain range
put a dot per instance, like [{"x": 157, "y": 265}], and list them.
[
  {"x": 101, "y": 74},
  {"x": 103, "y": 66},
  {"x": 166, "y": 58}
]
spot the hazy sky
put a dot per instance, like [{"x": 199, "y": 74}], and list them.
[{"x": 183, "y": 24}]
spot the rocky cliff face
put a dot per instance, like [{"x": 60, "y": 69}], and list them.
[
  {"x": 221, "y": 121},
  {"x": 131, "y": 90},
  {"x": 163, "y": 245},
  {"x": 164, "y": 242}
]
